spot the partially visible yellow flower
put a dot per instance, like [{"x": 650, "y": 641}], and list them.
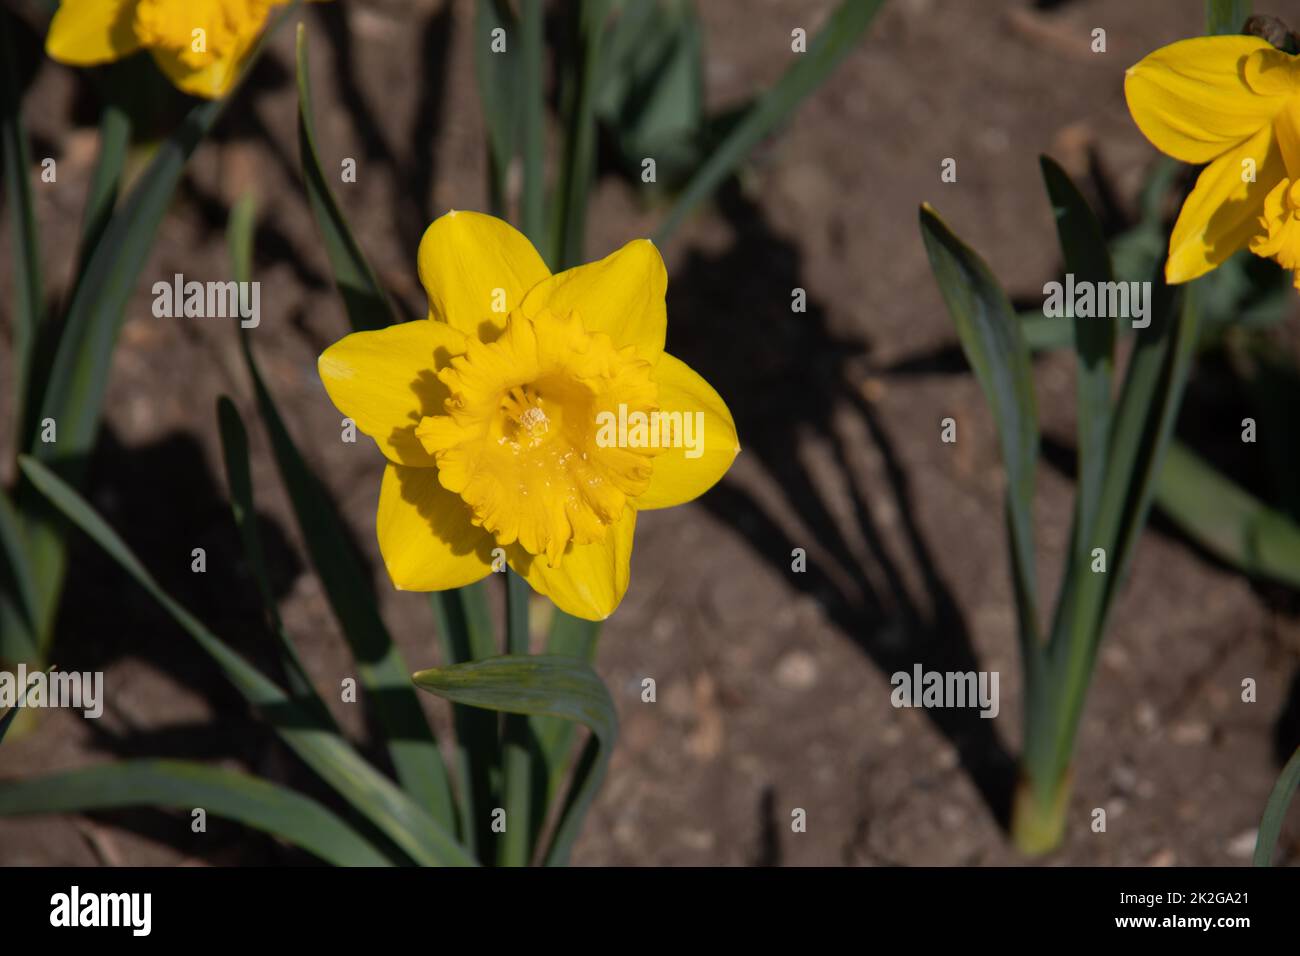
[
  {"x": 199, "y": 44},
  {"x": 510, "y": 416},
  {"x": 1232, "y": 102}
]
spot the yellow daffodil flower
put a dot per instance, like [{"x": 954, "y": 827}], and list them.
[
  {"x": 199, "y": 44},
  {"x": 514, "y": 418},
  {"x": 1232, "y": 102}
]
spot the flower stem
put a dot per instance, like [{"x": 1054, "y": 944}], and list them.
[
  {"x": 516, "y": 759},
  {"x": 1038, "y": 814}
]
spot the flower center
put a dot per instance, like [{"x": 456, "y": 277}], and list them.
[
  {"x": 519, "y": 442},
  {"x": 525, "y": 422},
  {"x": 1281, "y": 238},
  {"x": 198, "y": 30}
]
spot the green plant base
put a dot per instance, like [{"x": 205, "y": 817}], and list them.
[
  {"x": 1038, "y": 825},
  {"x": 25, "y": 721}
]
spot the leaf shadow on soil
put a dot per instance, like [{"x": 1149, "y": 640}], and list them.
[
  {"x": 787, "y": 379},
  {"x": 105, "y": 619}
]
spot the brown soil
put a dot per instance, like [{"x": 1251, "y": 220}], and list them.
[{"x": 773, "y": 688}]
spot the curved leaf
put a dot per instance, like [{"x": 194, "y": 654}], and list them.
[
  {"x": 367, "y": 304},
  {"x": 845, "y": 27},
  {"x": 72, "y": 393},
  {"x": 517, "y": 739},
  {"x": 403, "y": 820},
  {"x": 464, "y": 627},
  {"x": 994, "y": 345},
  {"x": 1226, "y": 519},
  {"x": 25, "y": 245},
  {"x": 1270, "y": 827},
  {"x": 541, "y": 686},
  {"x": 347, "y": 585},
  {"x": 186, "y": 786},
  {"x": 234, "y": 448},
  {"x": 18, "y": 595}
]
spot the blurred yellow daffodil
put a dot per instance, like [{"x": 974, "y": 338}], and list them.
[
  {"x": 199, "y": 44},
  {"x": 529, "y": 418},
  {"x": 1232, "y": 102}
]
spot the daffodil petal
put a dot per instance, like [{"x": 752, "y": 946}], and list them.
[
  {"x": 87, "y": 32},
  {"x": 681, "y": 474},
  {"x": 591, "y": 578},
  {"x": 1191, "y": 99},
  {"x": 476, "y": 269},
  {"x": 211, "y": 81},
  {"x": 425, "y": 534},
  {"x": 622, "y": 295},
  {"x": 1222, "y": 212},
  {"x": 386, "y": 381}
]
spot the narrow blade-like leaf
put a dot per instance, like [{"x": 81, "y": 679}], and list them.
[
  {"x": 532, "y": 212},
  {"x": 991, "y": 338},
  {"x": 367, "y": 303},
  {"x": 347, "y": 585},
  {"x": 114, "y": 138},
  {"x": 1086, "y": 258},
  {"x": 570, "y": 637},
  {"x": 1227, "y": 520},
  {"x": 1270, "y": 827},
  {"x": 399, "y": 817},
  {"x": 234, "y": 447},
  {"x": 73, "y": 394},
  {"x": 1143, "y": 424},
  {"x": 12, "y": 713},
  {"x": 28, "y": 307},
  {"x": 545, "y": 685},
  {"x": 18, "y": 594},
  {"x": 465, "y": 634},
  {"x": 173, "y": 784},
  {"x": 499, "y": 73},
  {"x": 833, "y": 42},
  {"x": 516, "y": 756},
  {"x": 579, "y": 163},
  {"x": 1225, "y": 16}
]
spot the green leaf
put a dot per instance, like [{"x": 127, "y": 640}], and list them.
[
  {"x": 1083, "y": 249},
  {"x": 25, "y": 242},
  {"x": 367, "y": 304},
  {"x": 234, "y": 447},
  {"x": 994, "y": 345},
  {"x": 1087, "y": 259},
  {"x": 6, "y": 720},
  {"x": 1226, "y": 520},
  {"x": 178, "y": 785},
  {"x": 550, "y": 686},
  {"x": 1270, "y": 827},
  {"x": 809, "y": 70},
  {"x": 516, "y": 759},
  {"x": 114, "y": 138},
  {"x": 578, "y": 168},
  {"x": 465, "y": 634},
  {"x": 1273, "y": 384},
  {"x": 399, "y": 817},
  {"x": 651, "y": 88},
  {"x": 12, "y": 712},
  {"x": 570, "y": 637},
  {"x": 73, "y": 392},
  {"x": 348, "y": 588},
  {"x": 1225, "y": 16},
  {"x": 1143, "y": 423},
  {"x": 532, "y": 213},
  {"x": 499, "y": 74},
  {"x": 18, "y": 594}
]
